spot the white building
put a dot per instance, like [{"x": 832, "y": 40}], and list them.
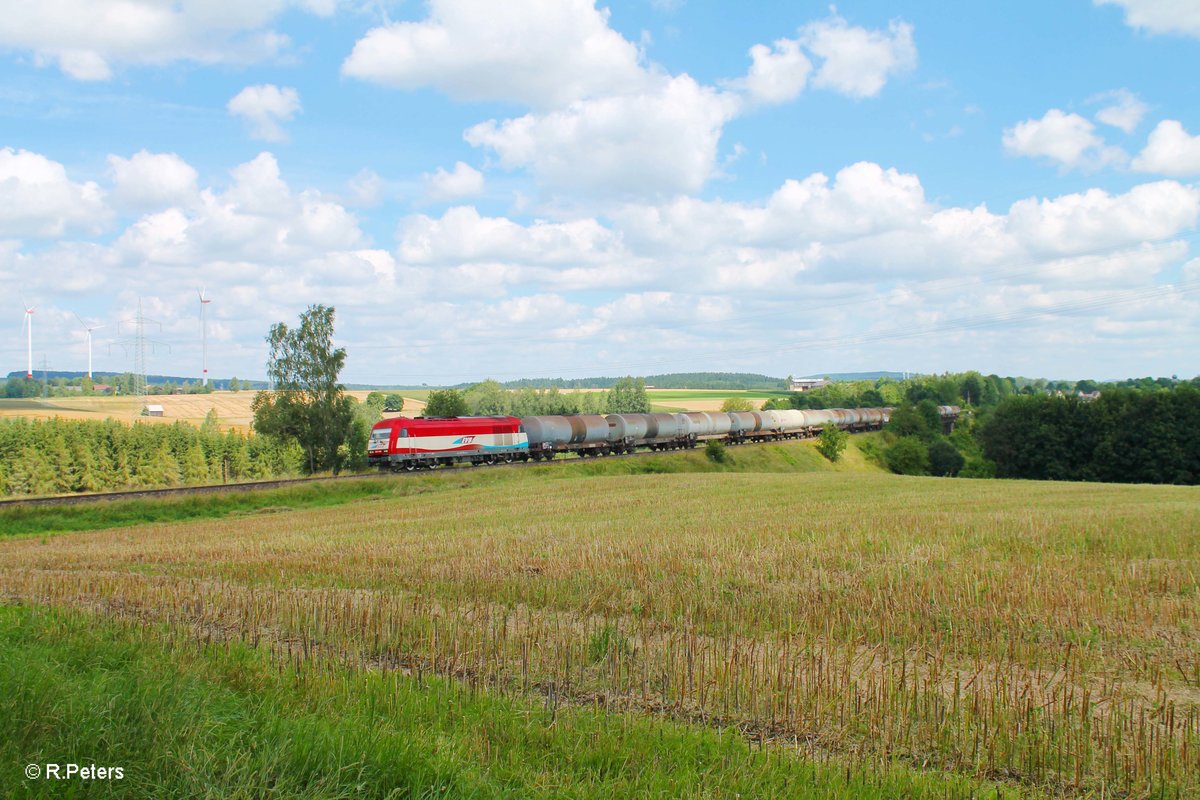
[{"x": 805, "y": 384}]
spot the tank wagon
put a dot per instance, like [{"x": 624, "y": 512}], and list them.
[{"x": 430, "y": 442}]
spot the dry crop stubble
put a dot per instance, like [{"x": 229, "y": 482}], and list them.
[{"x": 1045, "y": 633}]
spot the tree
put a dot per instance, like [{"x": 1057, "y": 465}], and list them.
[
  {"x": 234, "y": 385},
  {"x": 445, "y": 403},
  {"x": 944, "y": 459},
  {"x": 308, "y": 405},
  {"x": 22, "y": 387},
  {"x": 715, "y": 451},
  {"x": 393, "y": 402},
  {"x": 737, "y": 404},
  {"x": 908, "y": 456},
  {"x": 916, "y": 420},
  {"x": 628, "y": 396},
  {"x": 487, "y": 399},
  {"x": 370, "y": 410},
  {"x": 212, "y": 423},
  {"x": 832, "y": 442}
]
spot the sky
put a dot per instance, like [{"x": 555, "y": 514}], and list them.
[{"x": 560, "y": 188}]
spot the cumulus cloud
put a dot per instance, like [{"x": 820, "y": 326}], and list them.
[
  {"x": 1068, "y": 139},
  {"x": 865, "y": 238},
  {"x": 777, "y": 73},
  {"x": 1096, "y": 219},
  {"x": 462, "y": 234},
  {"x": 463, "y": 181},
  {"x": 265, "y": 107},
  {"x": 855, "y": 61},
  {"x": 38, "y": 199},
  {"x": 86, "y": 38},
  {"x": 151, "y": 180},
  {"x": 852, "y": 60},
  {"x": 542, "y": 53},
  {"x": 1124, "y": 111},
  {"x": 1171, "y": 150},
  {"x": 601, "y": 121},
  {"x": 660, "y": 140},
  {"x": 1160, "y": 16}
]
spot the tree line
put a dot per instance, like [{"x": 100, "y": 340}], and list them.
[
  {"x": 1144, "y": 430},
  {"x": 490, "y": 398},
  {"x": 1123, "y": 436}
]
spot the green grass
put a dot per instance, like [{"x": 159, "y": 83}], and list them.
[
  {"x": 225, "y": 721},
  {"x": 36, "y": 520}
]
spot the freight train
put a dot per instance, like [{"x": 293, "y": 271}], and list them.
[{"x": 404, "y": 443}]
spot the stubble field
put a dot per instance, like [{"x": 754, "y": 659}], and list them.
[{"x": 1030, "y": 638}]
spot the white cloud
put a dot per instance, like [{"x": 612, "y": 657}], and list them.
[
  {"x": 1068, "y": 139},
  {"x": 1095, "y": 219},
  {"x": 777, "y": 73},
  {"x": 151, "y": 180},
  {"x": 38, "y": 199},
  {"x": 601, "y": 121},
  {"x": 1124, "y": 112},
  {"x": 1160, "y": 16},
  {"x": 855, "y": 61},
  {"x": 663, "y": 140},
  {"x": 1171, "y": 150},
  {"x": 464, "y": 181},
  {"x": 265, "y": 107},
  {"x": 543, "y": 53},
  {"x": 839, "y": 256},
  {"x": 366, "y": 188},
  {"x": 463, "y": 235},
  {"x": 86, "y": 38}
]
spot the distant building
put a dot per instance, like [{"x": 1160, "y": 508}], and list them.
[
  {"x": 153, "y": 411},
  {"x": 806, "y": 384},
  {"x": 101, "y": 388}
]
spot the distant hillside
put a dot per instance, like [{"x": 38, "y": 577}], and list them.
[
  {"x": 675, "y": 380},
  {"x": 102, "y": 377},
  {"x": 858, "y": 376}
]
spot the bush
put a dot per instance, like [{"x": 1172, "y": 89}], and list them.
[
  {"x": 737, "y": 404},
  {"x": 908, "y": 456},
  {"x": 446, "y": 403},
  {"x": 978, "y": 468},
  {"x": 832, "y": 442},
  {"x": 715, "y": 451},
  {"x": 944, "y": 459}
]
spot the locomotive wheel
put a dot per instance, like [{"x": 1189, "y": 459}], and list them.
[
  {"x": 410, "y": 466},
  {"x": 508, "y": 458}
]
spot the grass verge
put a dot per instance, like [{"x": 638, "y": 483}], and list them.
[{"x": 183, "y": 719}]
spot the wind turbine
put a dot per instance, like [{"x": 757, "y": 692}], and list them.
[
  {"x": 203, "y": 336},
  {"x": 28, "y": 339},
  {"x": 89, "y": 340}
]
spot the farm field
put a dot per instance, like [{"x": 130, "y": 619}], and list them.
[
  {"x": 233, "y": 408},
  {"x": 860, "y": 634}
]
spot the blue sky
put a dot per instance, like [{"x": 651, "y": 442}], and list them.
[{"x": 543, "y": 188}]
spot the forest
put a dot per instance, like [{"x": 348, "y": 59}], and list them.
[{"x": 59, "y": 456}]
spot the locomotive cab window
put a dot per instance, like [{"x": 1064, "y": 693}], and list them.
[{"x": 404, "y": 433}]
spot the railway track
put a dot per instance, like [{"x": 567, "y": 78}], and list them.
[{"x": 250, "y": 486}]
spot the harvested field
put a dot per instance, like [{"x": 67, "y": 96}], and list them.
[
  {"x": 233, "y": 408},
  {"x": 1047, "y": 635}
]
